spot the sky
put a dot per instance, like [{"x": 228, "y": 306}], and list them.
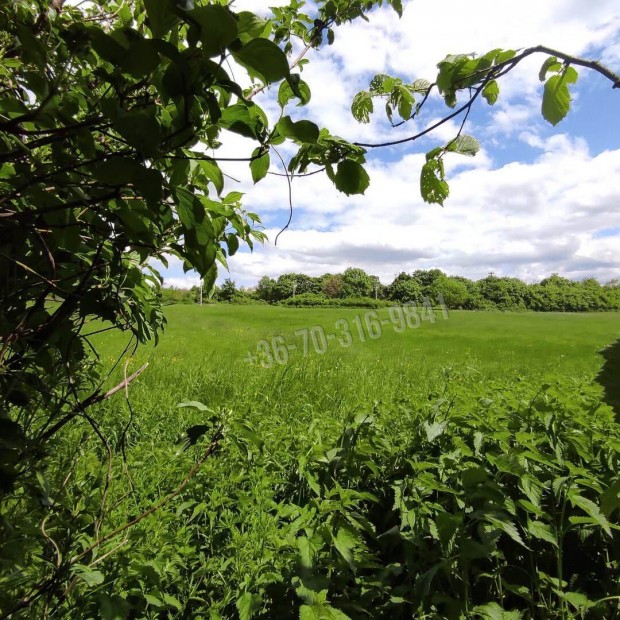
[{"x": 535, "y": 200}]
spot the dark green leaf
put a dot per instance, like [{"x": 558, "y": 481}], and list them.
[
  {"x": 259, "y": 166},
  {"x": 218, "y": 28},
  {"x": 351, "y": 178},
  {"x": 161, "y": 17},
  {"x": 140, "y": 130},
  {"x": 265, "y": 58}
]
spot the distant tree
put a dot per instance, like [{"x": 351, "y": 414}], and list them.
[
  {"x": 265, "y": 288},
  {"x": 426, "y": 279},
  {"x": 357, "y": 283},
  {"x": 404, "y": 288},
  {"x": 453, "y": 291},
  {"x": 331, "y": 285},
  {"x": 505, "y": 293},
  {"x": 227, "y": 291}
]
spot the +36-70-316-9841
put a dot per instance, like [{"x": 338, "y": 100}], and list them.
[{"x": 346, "y": 332}]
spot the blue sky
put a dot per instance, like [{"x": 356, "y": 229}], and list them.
[{"x": 537, "y": 199}]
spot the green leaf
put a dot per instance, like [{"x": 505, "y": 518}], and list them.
[
  {"x": 321, "y": 612},
  {"x": 541, "y": 530},
  {"x": 508, "y": 527},
  {"x": 590, "y": 508},
  {"x": 464, "y": 145},
  {"x": 208, "y": 281},
  {"x": 286, "y": 92},
  {"x": 247, "y": 605},
  {"x": 88, "y": 575},
  {"x": 113, "y": 607},
  {"x": 161, "y": 17},
  {"x": 259, "y": 166},
  {"x": 303, "y": 131},
  {"x": 140, "y": 130},
  {"x": 218, "y": 28},
  {"x": 307, "y": 551},
  {"x": 491, "y": 92},
  {"x": 195, "y": 405},
  {"x": 579, "y": 601},
  {"x": 251, "y": 26},
  {"x": 351, "y": 178},
  {"x": 610, "y": 498},
  {"x": 433, "y": 185},
  {"x": 213, "y": 173},
  {"x": 232, "y": 241},
  {"x": 346, "y": 541},
  {"x": 265, "y": 58},
  {"x": 492, "y": 611},
  {"x": 141, "y": 59},
  {"x": 362, "y": 107},
  {"x": 551, "y": 64},
  {"x": 556, "y": 96}
]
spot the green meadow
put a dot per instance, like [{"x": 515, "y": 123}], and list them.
[
  {"x": 461, "y": 468},
  {"x": 205, "y": 352}
]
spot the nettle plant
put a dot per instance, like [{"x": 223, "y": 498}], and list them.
[{"x": 111, "y": 116}]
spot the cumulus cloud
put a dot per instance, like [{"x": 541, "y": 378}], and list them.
[{"x": 532, "y": 202}]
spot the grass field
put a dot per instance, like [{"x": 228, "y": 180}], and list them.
[
  {"x": 406, "y": 475},
  {"x": 204, "y": 352}
]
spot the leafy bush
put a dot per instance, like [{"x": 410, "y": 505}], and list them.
[
  {"x": 474, "y": 501},
  {"x": 316, "y": 300}
]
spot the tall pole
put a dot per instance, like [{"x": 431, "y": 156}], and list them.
[
  {"x": 294, "y": 287},
  {"x": 201, "y": 291}
]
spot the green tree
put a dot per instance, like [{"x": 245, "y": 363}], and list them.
[
  {"x": 453, "y": 291},
  {"x": 265, "y": 288},
  {"x": 111, "y": 117},
  {"x": 227, "y": 291},
  {"x": 331, "y": 285},
  {"x": 404, "y": 288},
  {"x": 357, "y": 283}
]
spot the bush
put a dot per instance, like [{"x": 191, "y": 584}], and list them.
[{"x": 311, "y": 300}]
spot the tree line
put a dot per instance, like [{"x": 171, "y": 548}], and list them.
[{"x": 552, "y": 294}]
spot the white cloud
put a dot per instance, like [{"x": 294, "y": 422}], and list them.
[{"x": 513, "y": 218}]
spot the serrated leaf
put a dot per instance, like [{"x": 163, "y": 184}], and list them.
[
  {"x": 556, "y": 96},
  {"x": 541, "y": 530},
  {"x": 464, "y": 145},
  {"x": 492, "y": 611},
  {"x": 362, "y": 107},
  {"x": 433, "y": 187},
  {"x": 88, "y": 575},
  {"x": 346, "y": 541},
  {"x": 591, "y": 509},
  {"x": 247, "y": 605},
  {"x": 507, "y": 526},
  {"x": 491, "y": 92},
  {"x": 264, "y": 58},
  {"x": 351, "y": 178}
]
